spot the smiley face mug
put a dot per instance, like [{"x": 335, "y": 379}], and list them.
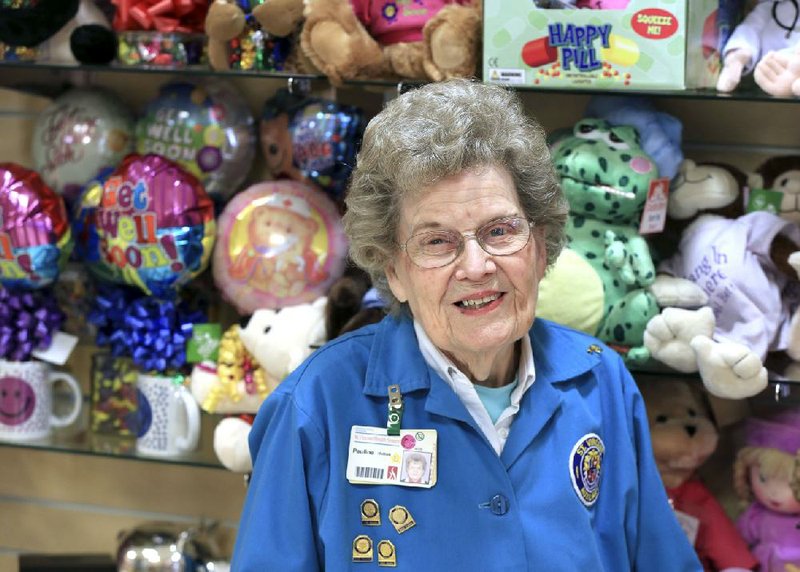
[{"x": 26, "y": 400}]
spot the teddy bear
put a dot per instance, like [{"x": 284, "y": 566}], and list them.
[
  {"x": 60, "y": 31},
  {"x": 684, "y": 435},
  {"x": 352, "y": 303},
  {"x": 743, "y": 263},
  {"x": 766, "y": 42},
  {"x": 273, "y": 341},
  {"x": 255, "y": 35},
  {"x": 411, "y": 39}
]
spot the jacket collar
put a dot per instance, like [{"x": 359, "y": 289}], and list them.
[{"x": 396, "y": 358}]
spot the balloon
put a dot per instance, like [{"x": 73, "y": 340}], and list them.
[
  {"x": 155, "y": 225},
  {"x": 35, "y": 238},
  {"x": 310, "y": 138},
  {"x": 207, "y": 129},
  {"x": 280, "y": 243},
  {"x": 81, "y": 132},
  {"x": 84, "y": 229}
]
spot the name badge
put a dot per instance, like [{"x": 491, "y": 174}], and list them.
[{"x": 406, "y": 460}]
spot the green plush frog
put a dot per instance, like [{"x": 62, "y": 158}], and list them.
[{"x": 606, "y": 176}]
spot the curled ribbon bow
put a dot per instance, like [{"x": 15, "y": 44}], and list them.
[{"x": 161, "y": 15}]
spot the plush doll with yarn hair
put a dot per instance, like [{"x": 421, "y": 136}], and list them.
[{"x": 763, "y": 474}]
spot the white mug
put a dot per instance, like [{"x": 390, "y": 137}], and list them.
[
  {"x": 169, "y": 417},
  {"x": 26, "y": 400}
]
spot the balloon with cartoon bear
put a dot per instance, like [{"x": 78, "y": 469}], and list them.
[{"x": 280, "y": 243}]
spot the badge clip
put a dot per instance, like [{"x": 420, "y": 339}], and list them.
[{"x": 395, "y": 417}]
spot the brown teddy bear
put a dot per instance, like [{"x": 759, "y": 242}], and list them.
[
  {"x": 683, "y": 437},
  {"x": 413, "y": 39},
  {"x": 256, "y": 35}
]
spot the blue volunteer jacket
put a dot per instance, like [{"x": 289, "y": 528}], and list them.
[{"x": 538, "y": 506}]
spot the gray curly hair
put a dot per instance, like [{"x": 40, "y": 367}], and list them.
[{"x": 432, "y": 133}]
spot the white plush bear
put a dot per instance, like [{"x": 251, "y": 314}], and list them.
[{"x": 279, "y": 340}]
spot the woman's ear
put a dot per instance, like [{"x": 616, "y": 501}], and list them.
[{"x": 396, "y": 283}]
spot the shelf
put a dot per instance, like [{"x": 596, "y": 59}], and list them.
[
  {"x": 81, "y": 441},
  {"x": 749, "y": 93}
]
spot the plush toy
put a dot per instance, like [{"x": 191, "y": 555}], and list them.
[
  {"x": 275, "y": 341},
  {"x": 418, "y": 39},
  {"x": 765, "y": 42},
  {"x": 352, "y": 303},
  {"x": 742, "y": 263},
  {"x": 606, "y": 176},
  {"x": 780, "y": 174},
  {"x": 61, "y": 31},
  {"x": 255, "y": 35},
  {"x": 684, "y": 436},
  {"x": 763, "y": 474},
  {"x": 659, "y": 132}
]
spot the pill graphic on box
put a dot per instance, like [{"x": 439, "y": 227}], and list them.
[
  {"x": 539, "y": 52},
  {"x": 621, "y": 51}
]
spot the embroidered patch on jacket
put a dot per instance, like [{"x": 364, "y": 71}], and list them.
[{"x": 585, "y": 463}]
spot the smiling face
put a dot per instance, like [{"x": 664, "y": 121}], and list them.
[
  {"x": 475, "y": 308},
  {"x": 17, "y": 401},
  {"x": 774, "y": 492}
]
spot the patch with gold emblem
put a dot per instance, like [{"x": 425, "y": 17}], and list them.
[{"x": 585, "y": 464}]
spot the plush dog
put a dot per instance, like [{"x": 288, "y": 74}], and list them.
[
  {"x": 413, "y": 39},
  {"x": 684, "y": 436}
]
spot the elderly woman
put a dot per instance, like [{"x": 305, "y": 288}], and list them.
[{"x": 535, "y": 436}]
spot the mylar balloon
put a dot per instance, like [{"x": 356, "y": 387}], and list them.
[
  {"x": 155, "y": 225},
  {"x": 35, "y": 238},
  {"x": 279, "y": 244},
  {"x": 207, "y": 129},
  {"x": 81, "y": 132},
  {"x": 310, "y": 138},
  {"x": 84, "y": 229}
]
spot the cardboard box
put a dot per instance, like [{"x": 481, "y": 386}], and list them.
[{"x": 652, "y": 44}]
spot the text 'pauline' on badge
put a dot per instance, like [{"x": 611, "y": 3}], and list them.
[{"x": 406, "y": 460}]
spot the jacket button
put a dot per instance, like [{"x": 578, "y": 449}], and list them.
[{"x": 499, "y": 505}]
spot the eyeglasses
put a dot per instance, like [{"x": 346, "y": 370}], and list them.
[{"x": 437, "y": 248}]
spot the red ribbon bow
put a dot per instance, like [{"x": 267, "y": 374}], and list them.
[{"x": 160, "y": 15}]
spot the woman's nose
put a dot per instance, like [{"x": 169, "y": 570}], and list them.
[{"x": 474, "y": 262}]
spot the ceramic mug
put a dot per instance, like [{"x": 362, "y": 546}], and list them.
[
  {"x": 26, "y": 400},
  {"x": 169, "y": 417}
]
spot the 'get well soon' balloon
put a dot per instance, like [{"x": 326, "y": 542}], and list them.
[
  {"x": 35, "y": 238},
  {"x": 280, "y": 244},
  {"x": 155, "y": 225},
  {"x": 206, "y": 128}
]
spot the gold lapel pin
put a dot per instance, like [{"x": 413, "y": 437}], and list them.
[
  {"x": 362, "y": 548},
  {"x": 370, "y": 513},
  {"x": 401, "y": 519},
  {"x": 387, "y": 556}
]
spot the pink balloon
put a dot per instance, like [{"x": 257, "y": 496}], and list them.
[{"x": 279, "y": 244}]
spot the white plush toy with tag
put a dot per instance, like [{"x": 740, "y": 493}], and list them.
[{"x": 279, "y": 340}]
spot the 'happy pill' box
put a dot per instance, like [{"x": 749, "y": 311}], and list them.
[{"x": 650, "y": 44}]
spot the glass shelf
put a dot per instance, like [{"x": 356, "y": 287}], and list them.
[
  {"x": 746, "y": 93},
  {"x": 81, "y": 441}
]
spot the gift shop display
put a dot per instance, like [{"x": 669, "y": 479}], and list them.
[
  {"x": 638, "y": 45},
  {"x": 206, "y": 128}
]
